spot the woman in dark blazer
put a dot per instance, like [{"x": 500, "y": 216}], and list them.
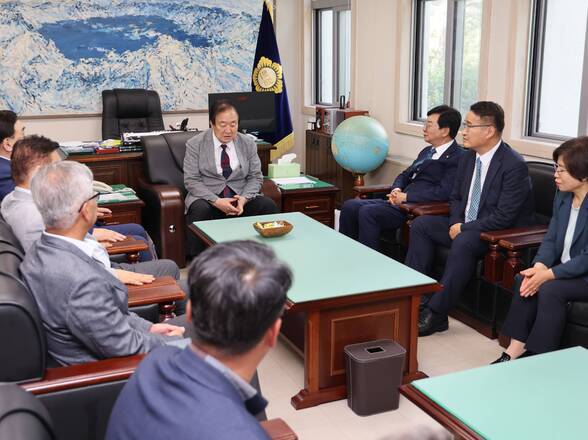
[{"x": 559, "y": 274}]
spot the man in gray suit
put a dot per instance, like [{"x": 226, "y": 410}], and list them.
[
  {"x": 222, "y": 172},
  {"x": 84, "y": 307}
]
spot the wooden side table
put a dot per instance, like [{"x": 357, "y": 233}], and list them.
[{"x": 315, "y": 200}]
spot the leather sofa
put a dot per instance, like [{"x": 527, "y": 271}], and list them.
[
  {"x": 130, "y": 110},
  {"x": 163, "y": 192}
]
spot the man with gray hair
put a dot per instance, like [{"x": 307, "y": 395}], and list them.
[
  {"x": 237, "y": 298},
  {"x": 83, "y": 305}
]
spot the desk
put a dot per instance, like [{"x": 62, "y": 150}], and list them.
[
  {"x": 127, "y": 168},
  {"x": 346, "y": 292},
  {"x": 540, "y": 397},
  {"x": 315, "y": 200}
]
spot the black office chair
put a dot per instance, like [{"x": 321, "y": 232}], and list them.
[
  {"x": 22, "y": 416},
  {"x": 130, "y": 110}
]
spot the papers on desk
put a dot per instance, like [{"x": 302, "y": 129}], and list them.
[
  {"x": 121, "y": 194},
  {"x": 292, "y": 180}
]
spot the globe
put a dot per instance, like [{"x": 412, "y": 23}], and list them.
[{"x": 360, "y": 144}]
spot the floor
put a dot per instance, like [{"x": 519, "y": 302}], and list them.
[{"x": 282, "y": 375}]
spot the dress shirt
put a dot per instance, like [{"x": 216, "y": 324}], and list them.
[
  {"x": 88, "y": 246},
  {"x": 245, "y": 390},
  {"x": 569, "y": 237},
  {"x": 441, "y": 149},
  {"x": 486, "y": 158},
  {"x": 231, "y": 151}
]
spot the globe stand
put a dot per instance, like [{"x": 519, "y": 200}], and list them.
[{"x": 358, "y": 179}]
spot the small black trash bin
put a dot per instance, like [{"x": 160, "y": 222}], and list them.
[{"x": 374, "y": 373}]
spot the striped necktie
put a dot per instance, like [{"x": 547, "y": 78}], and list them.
[
  {"x": 428, "y": 155},
  {"x": 227, "y": 170},
  {"x": 472, "y": 213}
]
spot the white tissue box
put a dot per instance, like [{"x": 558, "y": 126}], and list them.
[{"x": 283, "y": 170}]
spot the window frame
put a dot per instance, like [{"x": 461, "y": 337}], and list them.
[
  {"x": 454, "y": 37},
  {"x": 534, "y": 78},
  {"x": 336, "y": 7}
]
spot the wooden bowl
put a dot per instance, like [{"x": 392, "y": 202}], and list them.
[{"x": 275, "y": 228}]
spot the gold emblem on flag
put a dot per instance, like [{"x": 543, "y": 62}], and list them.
[{"x": 267, "y": 76}]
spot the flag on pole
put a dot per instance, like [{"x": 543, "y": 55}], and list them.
[{"x": 267, "y": 76}]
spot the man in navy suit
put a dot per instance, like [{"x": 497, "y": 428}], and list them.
[
  {"x": 429, "y": 179},
  {"x": 11, "y": 130},
  {"x": 492, "y": 191},
  {"x": 237, "y": 293}
]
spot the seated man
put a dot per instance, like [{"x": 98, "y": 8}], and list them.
[
  {"x": 429, "y": 179},
  {"x": 82, "y": 304},
  {"x": 222, "y": 173},
  {"x": 21, "y": 213},
  {"x": 11, "y": 130},
  {"x": 492, "y": 191},
  {"x": 237, "y": 297}
]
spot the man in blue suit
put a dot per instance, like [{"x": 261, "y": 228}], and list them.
[
  {"x": 237, "y": 293},
  {"x": 11, "y": 130},
  {"x": 429, "y": 179},
  {"x": 492, "y": 191}
]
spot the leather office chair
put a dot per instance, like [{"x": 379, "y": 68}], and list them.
[
  {"x": 22, "y": 417},
  {"x": 130, "y": 110},
  {"x": 163, "y": 192},
  {"x": 517, "y": 248}
]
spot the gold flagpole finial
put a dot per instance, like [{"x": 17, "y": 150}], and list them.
[{"x": 270, "y": 7}]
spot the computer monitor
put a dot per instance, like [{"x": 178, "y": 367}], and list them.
[{"x": 256, "y": 110}]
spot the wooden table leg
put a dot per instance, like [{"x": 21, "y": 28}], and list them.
[{"x": 166, "y": 311}]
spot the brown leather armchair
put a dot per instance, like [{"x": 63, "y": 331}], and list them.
[
  {"x": 514, "y": 249},
  {"x": 163, "y": 192}
]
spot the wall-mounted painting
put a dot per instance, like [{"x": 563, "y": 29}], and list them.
[{"x": 56, "y": 56}]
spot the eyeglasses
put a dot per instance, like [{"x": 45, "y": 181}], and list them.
[
  {"x": 90, "y": 199},
  {"x": 466, "y": 126},
  {"x": 430, "y": 124},
  {"x": 558, "y": 169}
]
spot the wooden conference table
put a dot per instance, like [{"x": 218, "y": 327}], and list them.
[
  {"x": 539, "y": 397},
  {"x": 346, "y": 293}
]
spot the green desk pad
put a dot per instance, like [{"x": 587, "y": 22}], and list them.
[
  {"x": 325, "y": 263},
  {"x": 316, "y": 183},
  {"x": 539, "y": 397},
  {"x": 123, "y": 196}
]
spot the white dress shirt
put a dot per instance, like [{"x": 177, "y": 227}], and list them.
[
  {"x": 231, "y": 151},
  {"x": 441, "y": 149},
  {"x": 569, "y": 237},
  {"x": 486, "y": 158}
]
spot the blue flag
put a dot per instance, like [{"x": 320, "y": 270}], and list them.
[{"x": 267, "y": 76}]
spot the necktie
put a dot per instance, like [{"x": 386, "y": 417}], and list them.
[
  {"x": 417, "y": 165},
  {"x": 227, "y": 170},
  {"x": 472, "y": 213},
  {"x": 428, "y": 155}
]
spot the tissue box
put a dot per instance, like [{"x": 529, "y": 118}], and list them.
[{"x": 283, "y": 170}]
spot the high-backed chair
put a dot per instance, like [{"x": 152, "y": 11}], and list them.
[
  {"x": 517, "y": 247},
  {"x": 163, "y": 192},
  {"x": 130, "y": 110},
  {"x": 22, "y": 417}
]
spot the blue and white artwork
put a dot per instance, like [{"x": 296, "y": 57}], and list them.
[{"x": 56, "y": 56}]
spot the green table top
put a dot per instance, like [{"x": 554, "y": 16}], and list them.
[
  {"x": 539, "y": 397},
  {"x": 326, "y": 264},
  {"x": 316, "y": 183}
]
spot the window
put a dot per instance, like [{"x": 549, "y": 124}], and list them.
[
  {"x": 332, "y": 30},
  {"x": 557, "y": 105},
  {"x": 447, "y": 54}
]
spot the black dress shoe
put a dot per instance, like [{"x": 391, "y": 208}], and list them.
[
  {"x": 503, "y": 358},
  {"x": 431, "y": 322}
]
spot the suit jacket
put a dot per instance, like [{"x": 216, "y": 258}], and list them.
[
  {"x": 433, "y": 179},
  {"x": 84, "y": 308},
  {"x": 21, "y": 213},
  {"x": 176, "y": 394},
  {"x": 506, "y": 200},
  {"x": 552, "y": 246},
  {"x": 202, "y": 179},
  {"x": 6, "y": 182}
]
